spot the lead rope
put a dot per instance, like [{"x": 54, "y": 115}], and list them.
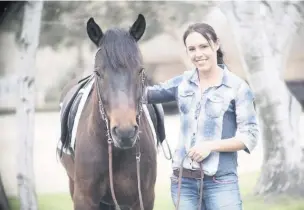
[
  {"x": 138, "y": 154},
  {"x": 180, "y": 182},
  {"x": 110, "y": 142},
  {"x": 111, "y": 176},
  {"x": 138, "y": 175}
]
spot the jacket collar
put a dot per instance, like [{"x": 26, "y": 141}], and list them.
[{"x": 225, "y": 76}]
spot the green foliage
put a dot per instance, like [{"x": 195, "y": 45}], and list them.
[{"x": 64, "y": 22}]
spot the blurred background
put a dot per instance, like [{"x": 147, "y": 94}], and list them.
[{"x": 262, "y": 43}]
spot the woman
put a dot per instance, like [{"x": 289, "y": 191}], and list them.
[{"x": 217, "y": 120}]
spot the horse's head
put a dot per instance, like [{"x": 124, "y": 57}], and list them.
[{"x": 120, "y": 78}]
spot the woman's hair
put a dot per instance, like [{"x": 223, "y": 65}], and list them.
[{"x": 208, "y": 32}]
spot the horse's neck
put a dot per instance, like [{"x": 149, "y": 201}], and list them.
[
  {"x": 97, "y": 124},
  {"x": 94, "y": 101}
]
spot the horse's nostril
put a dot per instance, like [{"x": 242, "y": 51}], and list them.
[
  {"x": 125, "y": 132},
  {"x": 132, "y": 131}
]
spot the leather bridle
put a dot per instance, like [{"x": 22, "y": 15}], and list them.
[
  {"x": 138, "y": 153},
  {"x": 110, "y": 139}
]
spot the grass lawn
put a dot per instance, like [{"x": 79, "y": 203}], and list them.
[{"x": 163, "y": 199}]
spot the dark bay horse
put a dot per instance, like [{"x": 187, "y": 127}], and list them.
[{"x": 113, "y": 132}]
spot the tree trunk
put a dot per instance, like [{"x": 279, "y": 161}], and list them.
[
  {"x": 282, "y": 171},
  {"x": 3, "y": 198},
  {"x": 28, "y": 43}
]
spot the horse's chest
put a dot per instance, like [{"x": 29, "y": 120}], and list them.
[
  {"x": 125, "y": 177},
  {"x": 125, "y": 188},
  {"x": 127, "y": 184},
  {"x": 125, "y": 180}
]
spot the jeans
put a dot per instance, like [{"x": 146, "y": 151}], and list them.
[{"x": 219, "y": 193}]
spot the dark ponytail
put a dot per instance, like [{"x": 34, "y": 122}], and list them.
[{"x": 220, "y": 56}]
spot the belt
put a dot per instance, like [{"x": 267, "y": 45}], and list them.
[{"x": 187, "y": 173}]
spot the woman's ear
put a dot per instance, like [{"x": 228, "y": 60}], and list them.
[{"x": 217, "y": 45}]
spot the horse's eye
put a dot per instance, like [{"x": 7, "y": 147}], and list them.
[
  {"x": 141, "y": 70},
  {"x": 97, "y": 73}
]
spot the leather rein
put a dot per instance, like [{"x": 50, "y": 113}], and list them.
[
  {"x": 180, "y": 183},
  {"x": 110, "y": 142}
]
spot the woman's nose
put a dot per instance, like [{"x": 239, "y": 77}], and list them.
[{"x": 199, "y": 53}]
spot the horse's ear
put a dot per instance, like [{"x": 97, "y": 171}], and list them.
[
  {"x": 94, "y": 31},
  {"x": 138, "y": 28}
]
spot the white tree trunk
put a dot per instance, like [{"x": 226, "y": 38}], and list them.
[
  {"x": 29, "y": 40},
  {"x": 264, "y": 60}
]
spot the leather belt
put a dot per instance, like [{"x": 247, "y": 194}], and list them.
[{"x": 187, "y": 173}]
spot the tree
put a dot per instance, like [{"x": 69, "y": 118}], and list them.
[
  {"x": 28, "y": 43},
  {"x": 264, "y": 32},
  {"x": 3, "y": 198}
]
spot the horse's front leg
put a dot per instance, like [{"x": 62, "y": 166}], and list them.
[
  {"x": 86, "y": 194},
  {"x": 89, "y": 184}
]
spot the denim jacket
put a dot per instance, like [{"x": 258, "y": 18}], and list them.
[{"x": 220, "y": 112}]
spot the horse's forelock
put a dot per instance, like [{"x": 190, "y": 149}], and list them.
[{"x": 118, "y": 50}]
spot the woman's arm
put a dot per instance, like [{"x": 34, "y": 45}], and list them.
[
  {"x": 228, "y": 145},
  {"x": 247, "y": 125},
  {"x": 164, "y": 92}
]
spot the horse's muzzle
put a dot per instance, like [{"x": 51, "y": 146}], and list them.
[{"x": 125, "y": 137}]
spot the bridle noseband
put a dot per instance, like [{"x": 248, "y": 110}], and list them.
[{"x": 110, "y": 139}]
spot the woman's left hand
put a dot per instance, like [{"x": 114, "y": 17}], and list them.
[{"x": 200, "y": 151}]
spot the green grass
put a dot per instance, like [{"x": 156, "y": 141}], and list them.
[
  {"x": 251, "y": 202},
  {"x": 163, "y": 199}
]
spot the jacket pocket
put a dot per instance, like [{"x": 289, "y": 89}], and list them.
[
  {"x": 185, "y": 101},
  {"x": 214, "y": 106}
]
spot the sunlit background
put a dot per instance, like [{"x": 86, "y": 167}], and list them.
[{"x": 65, "y": 52}]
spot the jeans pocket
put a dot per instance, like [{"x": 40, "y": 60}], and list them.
[
  {"x": 174, "y": 179},
  {"x": 225, "y": 179}
]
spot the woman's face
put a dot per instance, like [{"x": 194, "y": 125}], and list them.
[{"x": 202, "y": 54}]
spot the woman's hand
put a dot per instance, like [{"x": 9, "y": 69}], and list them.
[
  {"x": 203, "y": 149},
  {"x": 200, "y": 151}
]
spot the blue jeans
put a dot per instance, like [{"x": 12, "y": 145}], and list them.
[{"x": 219, "y": 193}]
